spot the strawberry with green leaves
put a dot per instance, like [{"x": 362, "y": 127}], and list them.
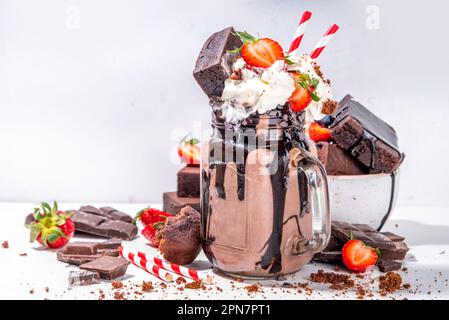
[
  {"x": 259, "y": 53},
  {"x": 52, "y": 228},
  {"x": 189, "y": 151},
  {"x": 304, "y": 92},
  {"x": 153, "y": 220}
]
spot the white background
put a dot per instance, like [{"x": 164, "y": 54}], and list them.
[{"x": 93, "y": 93}]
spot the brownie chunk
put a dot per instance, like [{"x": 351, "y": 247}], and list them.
[
  {"x": 338, "y": 161},
  {"x": 369, "y": 139},
  {"x": 173, "y": 204},
  {"x": 189, "y": 182},
  {"x": 213, "y": 63}
]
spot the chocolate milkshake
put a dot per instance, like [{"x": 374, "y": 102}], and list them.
[{"x": 264, "y": 198}]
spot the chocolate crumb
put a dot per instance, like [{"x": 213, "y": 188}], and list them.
[
  {"x": 329, "y": 106},
  {"x": 147, "y": 286},
  {"x": 253, "y": 288},
  {"x": 119, "y": 295},
  {"x": 32, "y": 291},
  {"x": 197, "y": 284},
  {"x": 117, "y": 284},
  {"x": 22, "y": 254},
  {"x": 5, "y": 244},
  {"x": 389, "y": 283},
  {"x": 181, "y": 280},
  {"x": 238, "y": 279},
  {"x": 47, "y": 289},
  {"x": 338, "y": 281}
]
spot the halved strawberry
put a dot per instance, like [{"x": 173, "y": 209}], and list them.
[
  {"x": 52, "y": 228},
  {"x": 358, "y": 257},
  {"x": 150, "y": 215},
  {"x": 189, "y": 151},
  {"x": 319, "y": 133},
  {"x": 304, "y": 92},
  {"x": 261, "y": 53}
]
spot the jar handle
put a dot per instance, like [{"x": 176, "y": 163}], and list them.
[{"x": 317, "y": 200}]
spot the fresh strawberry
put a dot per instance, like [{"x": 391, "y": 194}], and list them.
[
  {"x": 189, "y": 151},
  {"x": 260, "y": 53},
  {"x": 51, "y": 228},
  {"x": 150, "y": 233},
  {"x": 304, "y": 92},
  {"x": 357, "y": 256},
  {"x": 319, "y": 133},
  {"x": 150, "y": 216}
]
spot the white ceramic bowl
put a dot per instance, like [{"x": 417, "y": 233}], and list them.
[{"x": 367, "y": 199}]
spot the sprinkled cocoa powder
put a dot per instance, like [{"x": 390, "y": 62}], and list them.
[
  {"x": 181, "y": 280},
  {"x": 147, "y": 286},
  {"x": 117, "y": 284},
  {"x": 5, "y": 244},
  {"x": 119, "y": 296}
]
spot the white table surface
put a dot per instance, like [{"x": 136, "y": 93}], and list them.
[{"x": 426, "y": 229}]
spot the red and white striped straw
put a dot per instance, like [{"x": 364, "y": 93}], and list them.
[
  {"x": 299, "y": 33},
  {"x": 148, "y": 266},
  {"x": 176, "y": 268},
  {"x": 324, "y": 41}
]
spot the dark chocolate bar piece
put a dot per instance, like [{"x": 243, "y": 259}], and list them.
[
  {"x": 366, "y": 137},
  {"x": 102, "y": 226},
  {"x": 173, "y": 204},
  {"x": 334, "y": 257},
  {"x": 114, "y": 214},
  {"x": 213, "y": 64},
  {"x": 107, "y": 212},
  {"x": 338, "y": 161},
  {"x": 113, "y": 243},
  {"x": 81, "y": 248},
  {"x": 389, "y": 265},
  {"x": 397, "y": 253},
  {"x": 393, "y": 237},
  {"x": 108, "y": 267},
  {"x": 189, "y": 182},
  {"x": 77, "y": 259}
]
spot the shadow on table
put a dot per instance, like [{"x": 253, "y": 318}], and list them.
[{"x": 418, "y": 233}]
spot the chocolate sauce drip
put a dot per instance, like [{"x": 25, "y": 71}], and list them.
[
  {"x": 272, "y": 258},
  {"x": 303, "y": 193},
  {"x": 205, "y": 207},
  {"x": 220, "y": 171}
]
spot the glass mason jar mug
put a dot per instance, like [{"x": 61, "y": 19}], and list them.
[{"x": 264, "y": 199}]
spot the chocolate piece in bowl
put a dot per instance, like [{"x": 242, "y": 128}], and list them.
[
  {"x": 369, "y": 139},
  {"x": 189, "y": 182},
  {"x": 173, "y": 204},
  {"x": 338, "y": 161},
  {"x": 180, "y": 241},
  {"x": 211, "y": 69},
  {"x": 108, "y": 267}
]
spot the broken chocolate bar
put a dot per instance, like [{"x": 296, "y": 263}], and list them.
[
  {"x": 189, "y": 182},
  {"x": 113, "y": 243},
  {"x": 81, "y": 248},
  {"x": 107, "y": 212},
  {"x": 77, "y": 259},
  {"x": 101, "y": 226},
  {"x": 83, "y": 278},
  {"x": 212, "y": 65},
  {"x": 341, "y": 232},
  {"x": 389, "y": 265},
  {"x": 334, "y": 257},
  {"x": 108, "y": 267},
  {"x": 338, "y": 161},
  {"x": 173, "y": 204},
  {"x": 365, "y": 136}
]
